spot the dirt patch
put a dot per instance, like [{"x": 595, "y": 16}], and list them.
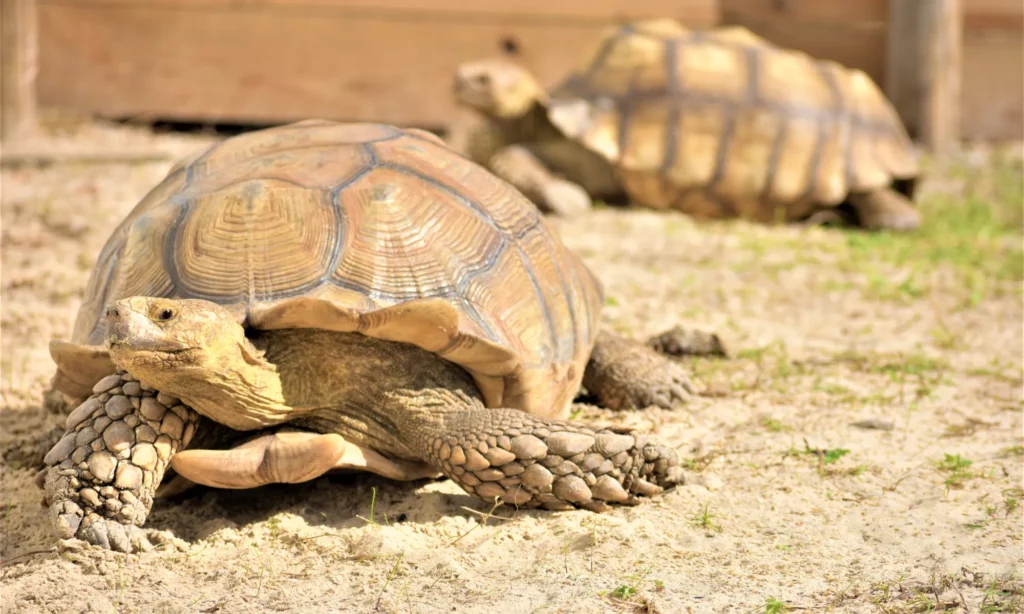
[{"x": 862, "y": 448}]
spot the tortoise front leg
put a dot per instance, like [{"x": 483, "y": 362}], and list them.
[
  {"x": 521, "y": 168},
  {"x": 103, "y": 473},
  {"x": 885, "y": 209},
  {"x": 513, "y": 457}
]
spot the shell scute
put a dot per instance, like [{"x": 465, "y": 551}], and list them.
[{"x": 358, "y": 228}]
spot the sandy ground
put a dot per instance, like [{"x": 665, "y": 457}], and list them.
[{"x": 861, "y": 452}]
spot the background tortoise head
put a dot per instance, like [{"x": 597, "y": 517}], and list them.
[
  {"x": 497, "y": 87},
  {"x": 150, "y": 336}
]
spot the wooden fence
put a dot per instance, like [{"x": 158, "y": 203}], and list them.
[{"x": 953, "y": 67}]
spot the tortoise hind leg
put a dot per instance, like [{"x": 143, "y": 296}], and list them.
[
  {"x": 683, "y": 341},
  {"x": 509, "y": 456},
  {"x": 627, "y": 374},
  {"x": 885, "y": 209}
]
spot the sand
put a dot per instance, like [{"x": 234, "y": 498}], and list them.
[{"x": 824, "y": 469}]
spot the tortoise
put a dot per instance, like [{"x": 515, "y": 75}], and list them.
[
  {"x": 714, "y": 123},
  {"x": 325, "y": 296}
]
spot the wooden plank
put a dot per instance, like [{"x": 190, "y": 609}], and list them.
[
  {"x": 18, "y": 64},
  {"x": 923, "y": 74},
  {"x": 696, "y": 13},
  {"x": 223, "y": 64},
  {"x": 993, "y": 88},
  {"x": 805, "y": 11},
  {"x": 856, "y": 45},
  {"x": 1002, "y": 15}
]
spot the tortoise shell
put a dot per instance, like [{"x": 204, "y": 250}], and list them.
[
  {"x": 722, "y": 123},
  {"x": 356, "y": 227}
]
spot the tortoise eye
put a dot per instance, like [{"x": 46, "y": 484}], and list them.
[{"x": 165, "y": 314}]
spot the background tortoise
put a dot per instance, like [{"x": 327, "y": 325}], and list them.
[
  {"x": 714, "y": 123},
  {"x": 345, "y": 296}
]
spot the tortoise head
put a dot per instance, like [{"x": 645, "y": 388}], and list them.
[
  {"x": 157, "y": 338},
  {"x": 496, "y": 87}
]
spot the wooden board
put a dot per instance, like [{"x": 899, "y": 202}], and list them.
[
  {"x": 702, "y": 12},
  {"x": 851, "y": 33},
  {"x": 806, "y": 11},
  {"x": 993, "y": 70},
  {"x": 273, "y": 61},
  {"x": 993, "y": 86}
]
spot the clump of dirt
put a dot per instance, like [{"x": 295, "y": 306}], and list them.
[{"x": 859, "y": 449}]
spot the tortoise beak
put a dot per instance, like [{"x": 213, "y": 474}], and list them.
[{"x": 129, "y": 328}]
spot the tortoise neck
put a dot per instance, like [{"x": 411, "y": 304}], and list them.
[
  {"x": 241, "y": 394},
  {"x": 532, "y": 125}
]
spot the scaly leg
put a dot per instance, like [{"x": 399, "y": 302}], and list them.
[
  {"x": 510, "y": 456},
  {"x": 681, "y": 341},
  {"x": 626, "y": 374},
  {"x": 519, "y": 167},
  {"x": 103, "y": 473},
  {"x": 885, "y": 209}
]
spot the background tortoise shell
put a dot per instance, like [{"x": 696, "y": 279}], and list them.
[
  {"x": 709, "y": 121},
  {"x": 357, "y": 227}
]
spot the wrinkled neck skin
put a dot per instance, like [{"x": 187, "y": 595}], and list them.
[
  {"x": 531, "y": 126},
  {"x": 239, "y": 393},
  {"x": 324, "y": 381}
]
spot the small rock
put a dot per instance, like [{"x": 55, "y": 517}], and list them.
[
  {"x": 881, "y": 424},
  {"x": 132, "y": 389},
  {"x": 106, "y": 383}
]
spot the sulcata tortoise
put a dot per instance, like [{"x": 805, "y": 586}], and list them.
[
  {"x": 715, "y": 124},
  {"x": 323, "y": 296}
]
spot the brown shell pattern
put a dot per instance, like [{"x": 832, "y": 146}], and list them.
[
  {"x": 363, "y": 227},
  {"x": 709, "y": 121}
]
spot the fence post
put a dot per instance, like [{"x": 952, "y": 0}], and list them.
[
  {"x": 923, "y": 73},
  {"x": 18, "y": 67}
]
